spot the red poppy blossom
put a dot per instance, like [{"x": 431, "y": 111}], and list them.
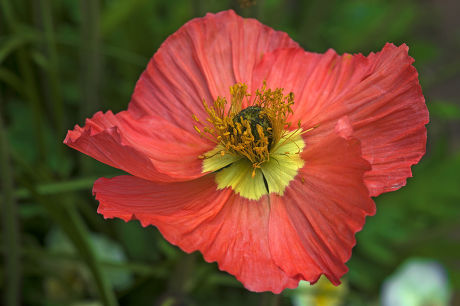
[{"x": 272, "y": 175}]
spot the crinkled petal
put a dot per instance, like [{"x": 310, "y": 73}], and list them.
[
  {"x": 149, "y": 147},
  {"x": 201, "y": 61},
  {"x": 380, "y": 94},
  {"x": 389, "y": 115},
  {"x": 312, "y": 227},
  {"x": 155, "y": 139},
  {"x": 317, "y": 81},
  {"x": 195, "y": 216}
]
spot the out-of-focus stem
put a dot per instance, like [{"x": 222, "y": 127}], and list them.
[
  {"x": 12, "y": 264},
  {"x": 269, "y": 299},
  {"x": 67, "y": 217},
  {"x": 51, "y": 80},
  {"x": 182, "y": 274},
  {"x": 179, "y": 281},
  {"x": 29, "y": 85},
  {"x": 90, "y": 59}
]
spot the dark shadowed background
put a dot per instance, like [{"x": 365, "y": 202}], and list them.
[{"x": 63, "y": 60}]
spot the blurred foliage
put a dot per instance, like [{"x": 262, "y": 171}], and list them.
[{"x": 61, "y": 61}]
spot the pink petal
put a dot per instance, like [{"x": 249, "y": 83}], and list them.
[
  {"x": 149, "y": 147},
  {"x": 380, "y": 94},
  {"x": 195, "y": 216},
  {"x": 312, "y": 227},
  {"x": 201, "y": 61}
]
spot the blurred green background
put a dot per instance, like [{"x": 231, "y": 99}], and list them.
[{"x": 63, "y": 60}]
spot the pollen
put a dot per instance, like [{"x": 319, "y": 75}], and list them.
[{"x": 253, "y": 140}]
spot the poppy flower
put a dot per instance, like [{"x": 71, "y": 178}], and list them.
[{"x": 262, "y": 156}]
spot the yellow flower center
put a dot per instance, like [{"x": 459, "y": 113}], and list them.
[{"x": 255, "y": 152}]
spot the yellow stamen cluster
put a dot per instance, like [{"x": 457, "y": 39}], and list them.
[{"x": 249, "y": 137}]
